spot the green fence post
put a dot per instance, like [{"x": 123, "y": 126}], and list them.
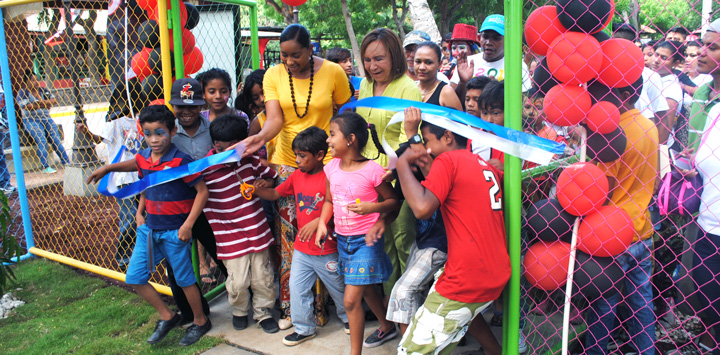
[{"x": 177, "y": 39}]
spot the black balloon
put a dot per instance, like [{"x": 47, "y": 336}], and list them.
[
  {"x": 542, "y": 79},
  {"x": 152, "y": 87},
  {"x": 149, "y": 34},
  {"x": 193, "y": 16},
  {"x": 586, "y": 16},
  {"x": 595, "y": 276},
  {"x": 599, "y": 92},
  {"x": 601, "y": 36},
  {"x": 606, "y": 147},
  {"x": 155, "y": 60},
  {"x": 549, "y": 222}
]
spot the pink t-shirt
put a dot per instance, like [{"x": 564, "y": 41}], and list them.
[{"x": 348, "y": 186}]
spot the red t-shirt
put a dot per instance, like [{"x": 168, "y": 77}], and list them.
[
  {"x": 478, "y": 265},
  {"x": 309, "y": 191}
]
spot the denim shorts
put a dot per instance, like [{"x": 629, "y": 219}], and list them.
[{"x": 361, "y": 264}]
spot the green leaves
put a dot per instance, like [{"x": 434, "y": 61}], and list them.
[{"x": 9, "y": 247}]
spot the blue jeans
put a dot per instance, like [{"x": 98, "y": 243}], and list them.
[
  {"x": 636, "y": 261},
  {"x": 126, "y": 237},
  {"x": 4, "y": 172},
  {"x": 705, "y": 273},
  {"x": 305, "y": 269},
  {"x": 38, "y": 128}
]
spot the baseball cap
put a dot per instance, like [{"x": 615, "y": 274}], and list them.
[
  {"x": 714, "y": 26},
  {"x": 416, "y": 37},
  {"x": 186, "y": 92},
  {"x": 495, "y": 23}
]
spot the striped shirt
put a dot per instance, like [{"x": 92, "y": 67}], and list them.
[
  {"x": 239, "y": 225},
  {"x": 167, "y": 205}
]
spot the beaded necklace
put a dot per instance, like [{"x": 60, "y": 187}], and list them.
[{"x": 292, "y": 89}]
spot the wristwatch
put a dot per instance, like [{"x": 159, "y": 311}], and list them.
[{"x": 416, "y": 139}]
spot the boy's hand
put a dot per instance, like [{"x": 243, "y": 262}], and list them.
[
  {"x": 412, "y": 121},
  {"x": 139, "y": 219},
  {"x": 388, "y": 176},
  {"x": 97, "y": 175},
  {"x": 308, "y": 230},
  {"x": 420, "y": 157},
  {"x": 362, "y": 208},
  {"x": 81, "y": 127},
  {"x": 497, "y": 164},
  {"x": 185, "y": 233},
  {"x": 261, "y": 183},
  {"x": 464, "y": 68},
  {"x": 375, "y": 232},
  {"x": 320, "y": 234}
]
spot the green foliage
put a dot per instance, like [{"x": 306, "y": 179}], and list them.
[
  {"x": 9, "y": 247},
  {"x": 662, "y": 15}
]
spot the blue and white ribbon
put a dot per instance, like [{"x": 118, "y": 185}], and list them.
[
  {"x": 517, "y": 143},
  {"x": 164, "y": 176}
]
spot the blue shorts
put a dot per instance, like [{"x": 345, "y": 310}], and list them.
[
  {"x": 165, "y": 244},
  {"x": 361, "y": 264}
]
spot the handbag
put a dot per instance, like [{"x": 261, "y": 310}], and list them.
[{"x": 679, "y": 195}]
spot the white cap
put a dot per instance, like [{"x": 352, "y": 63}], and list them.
[{"x": 714, "y": 26}]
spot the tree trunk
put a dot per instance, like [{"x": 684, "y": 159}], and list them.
[
  {"x": 423, "y": 20},
  {"x": 353, "y": 38},
  {"x": 49, "y": 54},
  {"x": 284, "y": 10},
  {"x": 635, "y": 15},
  {"x": 92, "y": 56},
  {"x": 399, "y": 20}
]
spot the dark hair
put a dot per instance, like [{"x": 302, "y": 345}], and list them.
[
  {"x": 433, "y": 46},
  {"x": 650, "y": 44},
  {"x": 534, "y": 93},
  {"x": 157, "y": 113},
  {"x": 634, "y": 89},
  {"x": 28, "y": 74},
  {"x": 311, "y": 139},
  {"x": 215, "y": 73},
  {"x": 478, "y": 83},
  {"x": 391, "y": 41},
  {"x": 296, "y": 32},
  {"x": 337, "y": 55},
  {"x": 693, "y": 44},
  {"x": 352, "y": 123},
  {"x": 676, "y": 48},
  {"x": 228, "y": 128},
  {"x": 438, "y": 132},
  {"x": 493, "y": 96},
  {"x": 681, "y": 30},
  {"x": 447, "y": 37},
  {"x": 244, "y": 100}
]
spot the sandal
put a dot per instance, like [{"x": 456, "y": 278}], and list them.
[{"x": 209, "y": 277}]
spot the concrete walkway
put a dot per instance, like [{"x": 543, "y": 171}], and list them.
[{"x": 331, "y": 338}]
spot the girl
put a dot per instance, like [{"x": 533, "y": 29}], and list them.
[
  {"x": 427, "y": 65},
  {"x": 217, "y": 88},
  {"x": 354, "y": 184}
]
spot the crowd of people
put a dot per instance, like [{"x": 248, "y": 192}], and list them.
[{"x": 423, "y": 246}]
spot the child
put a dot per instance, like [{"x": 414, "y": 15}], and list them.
[
  {"x": 308, "y": 186},
  {"x": 354, "y": 184},
  {"x": 241, "y": 231},
  {"x": 217, "y": 88},
  {"x": 166, "y": 231},
  {"x": 474, "y": 88},
  {"x": 491, "y": 104},
  {"x": 472, "y": 211}
]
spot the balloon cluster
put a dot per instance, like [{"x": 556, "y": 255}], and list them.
[
  {"x": 580, "y": 68},
  {"x": 147, "y": 63}
]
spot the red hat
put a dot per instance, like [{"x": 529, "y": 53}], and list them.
[{"x": 463, "y": 32}]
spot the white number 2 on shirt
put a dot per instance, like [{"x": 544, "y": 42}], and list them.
[{"x": 495, "y": 199}]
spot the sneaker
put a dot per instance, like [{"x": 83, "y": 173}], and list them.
[
  {"x": 9, "y": 189},
  {"x": 49, "y": 170},
  {"x": 295, "y": 339},
  {"x": 269, "y": 326},
  {"x": 347, "y": 328},
  {"x": 284, "y": 323},
  {"x": 378, "y": 337},
  {"x": 194, "y": 332},
  {"x": 522, "y": 347},
  {"x": 240, "y": 323},
  {"x": 162, "y": 328}
]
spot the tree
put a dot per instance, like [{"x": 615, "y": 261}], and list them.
[
  {"x": 399, "y": 20},
  {"x": 660, "y": 15},
  {"x": 351, "y": 34},
  {"x": 50, "y": 18},
  {"x": 93, "y": 53},
  {"x": 283, "y": 9}
]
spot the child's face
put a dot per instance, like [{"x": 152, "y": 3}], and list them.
[
  {"x": 221, "y": 146},
  {"x": 436, "y": 145},
  {"x": 158, "y": 136},
  {"x": 493, "y": 114},
  {"x": 217, "y": 95},
  {"x": 307, "y": 161},
  {"x": 533, "y": 111},
  {"x": 347, "y": 66},
  {"x": 337, "y": 143},
  {"x": 187, "y": 116},
  {"x": 258, "y": 98},
  {"x": 471, "y": 102}
]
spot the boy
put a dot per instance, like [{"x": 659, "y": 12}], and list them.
[
  {"x": 476, "y": 241},
  {"x": 308, "y": 185},
  {"x": 172, "y": 209},
  {"x": 491, "y": 107},
  {"x": 474, "y": 88},
  {"x": 241, "y": 230}
]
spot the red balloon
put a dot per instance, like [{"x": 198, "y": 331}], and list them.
[
  {"x": 603, "y": 117},
  {"x": 139, "y": 63},
  {"x": 566, "y": 105},
  {"x": 623, "y": 63},
  {"x": 541, "y": 28},
  {"x": 294, "y": 2},
  {"x": 546, "y": 264},
  {"x": 188, "y": 41},
  {"x": 574, "y": 58},
  {"x": 582, "y": 188},
  {"x": 193, "y": 61},
  {"x": 158, "y": 102},
  {"x": 607, "y": 232},
  {"x": 152, "y": 12},
  {"x": 147, "y": 4}
]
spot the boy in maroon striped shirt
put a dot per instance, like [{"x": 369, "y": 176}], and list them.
[{"x": 241, "y": 230}]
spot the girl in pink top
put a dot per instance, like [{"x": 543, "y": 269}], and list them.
[{"x": 354, "y": 184}]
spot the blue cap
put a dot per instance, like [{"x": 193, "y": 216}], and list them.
[
  {"x": 415, "y": 37},
  {"x": 495, "y": 23}
]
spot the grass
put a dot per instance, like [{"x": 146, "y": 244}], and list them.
[{"x": 66, "y": 312}]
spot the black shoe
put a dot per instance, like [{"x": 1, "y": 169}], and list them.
[
  {"x": 195, "y": 332},
  {"x": 295, "y": 339},
  {"x": 269, "y": 326},
  {"x": 347, "y": 328},
  {"x": 240, "y": 323},
  {"x": 162, "y": 329}
]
